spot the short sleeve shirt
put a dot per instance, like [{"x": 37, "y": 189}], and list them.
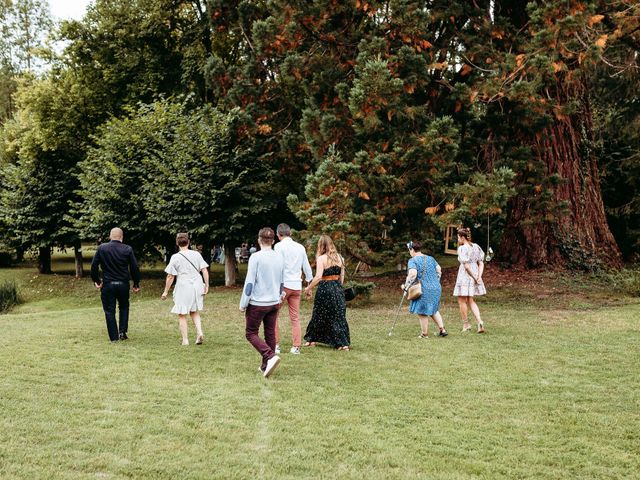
[{"x": 180, "y": 267}]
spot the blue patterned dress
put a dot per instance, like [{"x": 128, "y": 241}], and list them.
[{"x": 429, "y": 302}]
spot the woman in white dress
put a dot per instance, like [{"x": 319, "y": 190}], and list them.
[
  {"x": 469, "y": 283},
  {"x": 188, "y": 294}
]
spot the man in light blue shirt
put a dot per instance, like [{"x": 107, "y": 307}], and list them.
[
  {"x": 261, "y": 297},
  {"x": 295, "y": 260}
]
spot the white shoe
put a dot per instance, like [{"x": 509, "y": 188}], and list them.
[
  {"x": 185, "y": 342},
  {"x": 277, "y": 350},
  {"x": 295, "y": 350},
  {"x": 272, "y": 364}
]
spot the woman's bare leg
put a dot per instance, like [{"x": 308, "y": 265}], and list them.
[
  {"x": 476, "y": 313},
  {"x": 438, "y": 319},
  {"x": 464, "y": 312},
  {"x": 197, "y": 321},
  {"x": 182, "y": 319},
  {"x": 475, "y": 310},
  {"x": 424, "y": 324}
]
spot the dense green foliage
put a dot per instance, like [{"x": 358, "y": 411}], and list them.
[
  {"x": 40, "y": 152},
  {"x": 375, "y": 121},
  {"x": 166, "y": 169}
]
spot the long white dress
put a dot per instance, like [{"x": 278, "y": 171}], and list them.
[
  {"x": 188, "y": 294},
  {"x": 465, "y": 284}
]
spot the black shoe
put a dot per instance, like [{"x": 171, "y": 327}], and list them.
[
  {"x": 443, "y": 333},
  {"x": 123, "y": 336}
]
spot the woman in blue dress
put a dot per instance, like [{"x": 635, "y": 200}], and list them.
[{"x": 427, "y": 271}]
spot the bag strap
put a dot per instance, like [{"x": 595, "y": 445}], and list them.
[{"x": 185, "y": 257}]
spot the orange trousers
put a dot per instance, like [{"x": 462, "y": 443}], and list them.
[{"x": 292, "y": 299}]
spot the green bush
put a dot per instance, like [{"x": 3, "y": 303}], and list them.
[
  {"x": 8, "y": 296},
  {"x": 631, "y": 282},
  {"x": 626, "y": 281}
]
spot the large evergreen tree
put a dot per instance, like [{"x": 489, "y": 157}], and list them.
[{"x": 365, "y": 78}]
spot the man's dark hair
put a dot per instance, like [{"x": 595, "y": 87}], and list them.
[
  {"x": 182, "y": 239},
  {"x": 266, "y": 236}
]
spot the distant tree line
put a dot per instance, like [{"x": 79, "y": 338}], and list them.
[{"x": 375, "y": 121}]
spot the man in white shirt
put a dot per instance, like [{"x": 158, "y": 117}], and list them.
[{"x": 295, "y": 262}]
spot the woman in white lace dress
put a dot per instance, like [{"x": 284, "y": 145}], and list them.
[
  {"x": 188, "y": 294},
  {"x": 469, "y": 283}
]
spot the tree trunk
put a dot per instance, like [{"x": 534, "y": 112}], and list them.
[
  {"x": 77, "y": 251},
  {"x": 44, "y": 260},
  {"x": 580, "y": 238},
  {"x": 19, "y": 255},
  {"x": 229, "y": 265}
]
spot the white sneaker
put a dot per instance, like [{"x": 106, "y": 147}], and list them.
[
  {"x": 272, "y": 364},
  {"x": 277, "y": 350},
  {"x": 295, "y": 350}
]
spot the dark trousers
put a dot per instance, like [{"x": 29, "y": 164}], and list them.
[
  {"x": 111, "y": 293},
  {"x": 255, "y": 316}
]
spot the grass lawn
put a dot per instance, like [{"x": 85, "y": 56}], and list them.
[{"x": 551, "y": 391}]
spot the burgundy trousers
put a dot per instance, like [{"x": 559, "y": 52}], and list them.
[{"x": 255, "y": 316}]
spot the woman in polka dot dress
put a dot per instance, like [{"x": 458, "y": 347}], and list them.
[{"x": 329, "y": 318}]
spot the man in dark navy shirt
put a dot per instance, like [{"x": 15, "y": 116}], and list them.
[{"x": 118, "y": 266}]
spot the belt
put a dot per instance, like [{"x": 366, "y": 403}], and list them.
[
  {"x": 117, "y": 282},
  {"x": 330, "y": 277}
]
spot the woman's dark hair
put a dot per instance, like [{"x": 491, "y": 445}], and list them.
[
  {"x": 465, "y": 233},
  {"x": 266, "y": 236},
  {"x": 415, "y": 245},
  {"x": 182, "y": 239}
]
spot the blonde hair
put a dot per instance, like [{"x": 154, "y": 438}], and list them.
[{"x": 328, "y": 248}]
